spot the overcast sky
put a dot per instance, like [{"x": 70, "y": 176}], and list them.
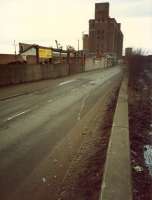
[{"x": 44, "y": 21}]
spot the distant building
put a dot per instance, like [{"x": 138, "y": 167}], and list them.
[
  {"x": 85, "y": 42},
  {"x": 128, "y": 51},
  {"x": 33, "y": 53},
  {"x": 105, "y": 36},
  {"x": 24, "y": 46}
]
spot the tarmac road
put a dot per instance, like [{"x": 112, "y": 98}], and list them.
[{"x": 39, "y": 133}]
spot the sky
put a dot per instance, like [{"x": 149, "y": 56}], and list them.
[{"x": 44, "y": 21}]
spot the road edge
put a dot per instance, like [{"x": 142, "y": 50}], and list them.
[{"x": 117, "y": 183}]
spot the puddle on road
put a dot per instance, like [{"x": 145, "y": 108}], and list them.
[{"x": 148, "y": 157}]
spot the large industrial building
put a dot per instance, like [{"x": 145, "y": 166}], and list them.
[{"x": 105, "y": 36}]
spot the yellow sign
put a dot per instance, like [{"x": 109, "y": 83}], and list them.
[{"x": 45, "y": 53}]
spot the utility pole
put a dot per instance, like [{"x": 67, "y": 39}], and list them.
[
  {"x": 57, "y": 44},
  {"x": 78, "y": 45},
  {"x": 15, "y": 51},
  {"x": 15, "y": 48}
]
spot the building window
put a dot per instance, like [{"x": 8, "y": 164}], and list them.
[
  {"x": 92, "y": 25},
  {"x": 92, "y": 34}
]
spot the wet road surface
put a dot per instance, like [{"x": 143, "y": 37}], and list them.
[{"x": 39, "y": 133}]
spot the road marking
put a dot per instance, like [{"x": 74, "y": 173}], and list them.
[
  {"x": 17, "y": 115},
  {"x": 66, "y": 82}
]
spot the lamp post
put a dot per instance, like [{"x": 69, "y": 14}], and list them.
[
  {"x": 15, "y": 49},
  {"x": 78, "y": 45}
]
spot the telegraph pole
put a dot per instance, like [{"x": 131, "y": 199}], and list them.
[
  {"x": 15, "y": 48},
  {"x": 78, "y": 45}
]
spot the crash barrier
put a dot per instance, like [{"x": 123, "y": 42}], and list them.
[{"x": 116, "y": 184}]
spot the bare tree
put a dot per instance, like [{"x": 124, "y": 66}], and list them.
[{"x": 136, "y": 63}]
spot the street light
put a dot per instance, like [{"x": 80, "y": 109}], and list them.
[
  {"x": 78, "y": 45},
  {"x": 15, "y": 47}
]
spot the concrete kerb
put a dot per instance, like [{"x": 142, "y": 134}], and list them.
[{"x": 117, "y": 183}]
